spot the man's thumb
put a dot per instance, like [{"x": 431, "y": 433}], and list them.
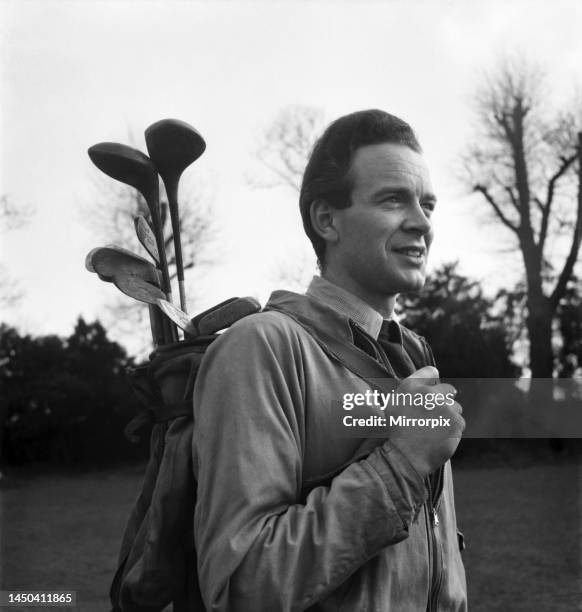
[{"x": 429, "y": 374}]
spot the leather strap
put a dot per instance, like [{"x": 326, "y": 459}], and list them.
[{"x": 354, "y": 359}]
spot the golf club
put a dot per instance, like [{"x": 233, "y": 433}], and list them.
[
  {"x": 88, "y": 258},
  {"x": 146, "y": 237},
  {"x": 180, "y": 318},
  {"x": 139, "y": 289},
  {"x": 173, "y": 145},
  {"x": 109, "y": 262},
  {"x": 115, "y": 264},
  {"x": 224, "y": 314},
  {"x": 132, "y": 167}
]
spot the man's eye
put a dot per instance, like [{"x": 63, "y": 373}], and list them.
[
  {"x": 428, "y": 206},
  {"x": 391, "y": 199}
]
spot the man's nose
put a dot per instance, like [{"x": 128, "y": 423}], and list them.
[{"x": 417, "y": 220}]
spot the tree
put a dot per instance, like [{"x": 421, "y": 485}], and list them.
[
  {"x": 452, "y": 306},
  {"x": 569, "y": 316},
  {"x": 12, "y": 217},
  {"x": 282, "y": 153},
  {"x": 523, "y": 164},
  {"x": 284, "y": 147},
  {"x": 567, "y": 326},
  {"x": 64, "y": 399}
]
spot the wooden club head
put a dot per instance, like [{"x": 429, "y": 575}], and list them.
[{"x": 173, "y": 145}]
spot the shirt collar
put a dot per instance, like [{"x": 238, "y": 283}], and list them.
[{"x": 347, "y": 304}]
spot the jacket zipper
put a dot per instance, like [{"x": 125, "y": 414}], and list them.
[{"x": 434, "y": 551}]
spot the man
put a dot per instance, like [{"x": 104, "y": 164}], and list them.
[{"x": 290, "y": 515}]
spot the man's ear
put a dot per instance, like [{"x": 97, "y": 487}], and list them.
[{"x": 323, "y": 220}]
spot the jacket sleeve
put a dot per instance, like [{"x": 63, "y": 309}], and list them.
[{"x": 259, "y": 546}]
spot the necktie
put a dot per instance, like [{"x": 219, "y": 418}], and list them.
[{"x": 390, "y": 340}]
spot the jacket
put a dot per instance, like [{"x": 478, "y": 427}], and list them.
[{"x": 290, "y": 516}]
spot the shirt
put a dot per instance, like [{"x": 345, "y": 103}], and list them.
[{"x": 386, "y": 333}]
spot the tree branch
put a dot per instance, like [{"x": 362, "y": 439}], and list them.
[
  {"x": 566, "y": 163},
  {"x": 287, "y": 179},
  {"x": 568, "y": 268},
  {"x": 512, "y": 197},
  {"x": 485, "y": 192}
]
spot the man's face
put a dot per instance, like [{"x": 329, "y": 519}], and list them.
[{"x": 384, "y": 236}]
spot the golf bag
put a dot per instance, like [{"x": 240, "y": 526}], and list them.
[{"x": 157, "y": 561}]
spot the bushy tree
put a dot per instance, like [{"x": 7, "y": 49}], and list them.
[
  {"x": 467, "y": 338},
  {"x": 569, "y": 314},
  {"x": 567, "y": 327},
  {"x": 64, "y": 400}
]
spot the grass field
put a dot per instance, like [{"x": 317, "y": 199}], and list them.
[{"x": 522, "y": 526}]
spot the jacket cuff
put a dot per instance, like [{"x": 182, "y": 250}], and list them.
[{"x": 403, "y": 483}]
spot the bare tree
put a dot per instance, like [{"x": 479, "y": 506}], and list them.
[
  {"x": 525, "y": 163},
  {"x": 13, "y": 215},
  {"x": 113, "y": 220},
  {"x": 285, "y": 145},
  {"x": 282, "y": 152}
]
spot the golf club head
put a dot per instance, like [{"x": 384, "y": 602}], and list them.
[
  {"x": 124, "y": 251},
  {"x": 179, "y": 317},
  {"x": 138, "y": 288},
  {"x": 127, "y": 165},
  {"x": 111, "y": 262},
  {"x": 225, "y": 314},
  {"x": 173, "y": 145},
  {"x": 89, "y": 260},
  {"x": 146, "y": 237}
]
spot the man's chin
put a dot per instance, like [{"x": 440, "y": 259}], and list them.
[{"x": 412, "y": 285}]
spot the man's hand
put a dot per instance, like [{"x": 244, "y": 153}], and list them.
[{"x": 428, "y": 452}]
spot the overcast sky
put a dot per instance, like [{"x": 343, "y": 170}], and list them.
[{"x": 77, "y": 73}]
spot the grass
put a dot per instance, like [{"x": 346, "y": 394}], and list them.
[
  {"x": 63, "y": 532},
  {"x": 522, "y": 528},
  {"x": 523, "y": 531}
]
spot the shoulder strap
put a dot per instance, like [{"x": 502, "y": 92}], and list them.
[{"x": 349, "y": 355}]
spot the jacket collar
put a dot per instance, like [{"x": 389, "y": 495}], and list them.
[
  {"x": 312, "y": 314},
  {"x": 346, "y": 303}
]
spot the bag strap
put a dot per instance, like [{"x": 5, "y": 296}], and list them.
[{"x": 349, "y": 355}]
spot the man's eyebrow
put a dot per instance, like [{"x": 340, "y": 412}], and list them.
[
  {"x": 402, "y": 191},
  {"x": 391, "y": 191}
]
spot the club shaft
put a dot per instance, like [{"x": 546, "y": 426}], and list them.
[
  {"x": 182, "y": 290},
  {"x": 159, "y": 234},
  {"x": 154, "y": 207},
  {"x": 170, "y": 330},
  {"x": 171, "y": 183},
  {"x": 157, "y": 325}
]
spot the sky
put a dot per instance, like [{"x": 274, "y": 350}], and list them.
[{"x": 77, "y": 73}]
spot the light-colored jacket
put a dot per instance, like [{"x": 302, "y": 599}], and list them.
[{"x": 289, "y": 516}]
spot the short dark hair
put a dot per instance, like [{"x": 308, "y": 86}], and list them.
[{"x": 326, "y": 176}]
